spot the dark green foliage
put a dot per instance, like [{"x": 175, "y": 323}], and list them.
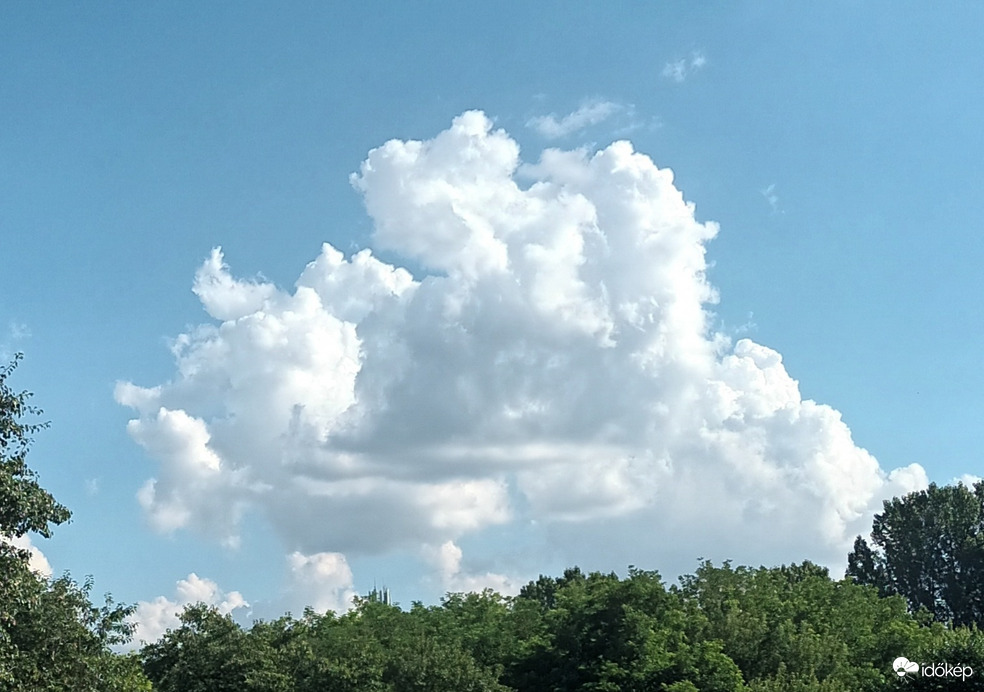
[
  {"x": 604, "y": 633},
  {"x": 211, "y": 653},
  {"x": 930, "y": 550},
  {"x": 795, "y": 628},
  {"x": 939, "y": 644},
  {"x": 24, "y": 505},
  {"x": 375, "y": 647},
  {"x": 51, "y": 636}
]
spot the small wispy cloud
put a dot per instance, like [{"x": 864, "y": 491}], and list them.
[
  {"x": 16, "y": 331},
  {"x": 769, "y": 193},
  {"x": 679, "y": 70},
  {"x": 747, "y": 326},
  {"x": 591, "y": 113}
]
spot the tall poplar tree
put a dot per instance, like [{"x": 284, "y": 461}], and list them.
[{"x": 928, "y": 548}]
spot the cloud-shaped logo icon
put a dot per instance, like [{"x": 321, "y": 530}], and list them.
[{"x": 904, "y": 666}]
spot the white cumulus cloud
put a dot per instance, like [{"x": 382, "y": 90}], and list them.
[
  {"x": 554, "y": 366},
  {"x": 322, "y": 581},
  {"x": 37, "y": 561},
  {"x": 447, "y": 558},
  {"x": 153, "y": 618}
]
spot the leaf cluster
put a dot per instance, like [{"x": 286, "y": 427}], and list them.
[{"x": 24, "y": 504}]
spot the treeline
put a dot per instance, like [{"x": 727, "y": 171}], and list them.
[
  {"x": 917, "y": 592},
  {"x": 722, "y": 629}
]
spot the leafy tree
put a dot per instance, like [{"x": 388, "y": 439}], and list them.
[
  {"x": 929, "y": 548},
  {"x": 51, "y": 636},
  {"x": 607, "y": 634},
  {"x": 794, "y": 628},
  {"x": 24, "y": 505},
  {"x": 421, "y": 653},
  {"x": 958, "y": 646},
  {"x": 332, "y": 653},
  {"x": 209, "y": 652},
  {"x": 375, "y": 648},
  {"x": 483, "y": 625}
]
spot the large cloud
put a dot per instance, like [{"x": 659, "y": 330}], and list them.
[{"x": 553, "y": 367}]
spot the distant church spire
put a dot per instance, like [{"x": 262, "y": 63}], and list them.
[{"x": 379, "y": 595}]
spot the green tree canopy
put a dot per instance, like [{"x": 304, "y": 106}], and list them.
[
  {"x": 795, "y": 628},
  {"x": 929, "y": 549},
  {"x": 723, "y": 629},
  {"x": 24, "y": 505},
  {"x": 51, "y": 636},
  {"x": 609, "y": 634}
]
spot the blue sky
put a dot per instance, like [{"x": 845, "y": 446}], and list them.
[{"x": 836, "y": 147}]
